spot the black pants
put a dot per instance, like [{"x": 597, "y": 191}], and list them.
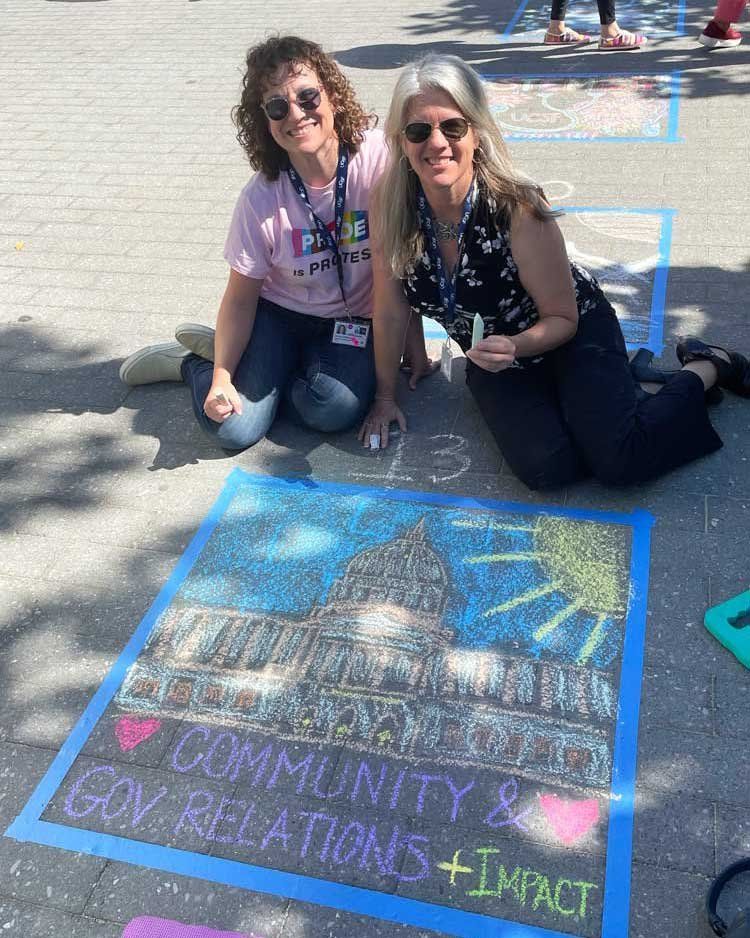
[
  {"x": 606, "y": 10},
  {"x": 577, "y": 414}
]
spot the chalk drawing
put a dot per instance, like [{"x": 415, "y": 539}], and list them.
[
  {"x": 530, "y": 20},
  {"x": 361, "y": 674},
  {"x": 149, "y": 927},
  {"x": 131, "y": 731},
  {"x": 558, "y": 190},
  {"x": 584, "y": 108},
  {"x": 450, "y": 452},
  {"x": 627, "y": 250},
  {"x": 571, "y": 820}
]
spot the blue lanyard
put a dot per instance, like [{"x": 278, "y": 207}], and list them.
[
  {"x": 446, "y": 283},
  {"x": 331, "y": 242}
]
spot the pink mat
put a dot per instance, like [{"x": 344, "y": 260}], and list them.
[{"x": 147, "y": 927}]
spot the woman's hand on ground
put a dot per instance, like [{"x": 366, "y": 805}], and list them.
[
  {"x": 495, "y": 353},
  {"x": 422, "y": 369},
  {"x": 378, "y": 422},
  {"x": 221, "y": 401}
]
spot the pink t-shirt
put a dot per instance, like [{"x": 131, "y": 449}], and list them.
[{"x": 272, "y": 238}]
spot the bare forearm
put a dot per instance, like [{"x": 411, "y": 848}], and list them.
[
  {"x": 234, "y": 326},
  {"x": 389, "y": 334},
  {"x": 549, "y": 333}
]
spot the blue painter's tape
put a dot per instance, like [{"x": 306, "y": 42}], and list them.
[
  {"x": 29, "y": 826},
  {"x": 620, "y": 837},
  {"x": 674, "y": 105},
  {"x": 292, "y": 885}
]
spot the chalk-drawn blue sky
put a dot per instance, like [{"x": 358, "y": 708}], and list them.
[{"x": 281, "y": 552}]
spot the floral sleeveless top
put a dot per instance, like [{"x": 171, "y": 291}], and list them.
[{"x": 488, "y": 284}]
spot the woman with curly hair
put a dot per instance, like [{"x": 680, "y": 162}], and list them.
[
  {"x": 294, "y": 322},
  {"x": 458, "y": 232}
]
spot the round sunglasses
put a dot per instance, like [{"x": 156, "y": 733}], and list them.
[
  {"x": 277, "y": 108},
  {"x": 454, "y": 128}
]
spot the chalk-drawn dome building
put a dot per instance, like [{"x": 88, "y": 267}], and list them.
[{"x": 374, "y": 666}]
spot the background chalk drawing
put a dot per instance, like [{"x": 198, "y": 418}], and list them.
[
  {"x": 530, "y": 20},
  {"x": 627, "y": 250},
  {"x": 149, "y": 927},
  {"x": 618, "y": 108},
  {"x": 401, "y": 704}
]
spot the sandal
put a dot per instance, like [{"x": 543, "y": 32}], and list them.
[
  {"x": 642, "y": 371},
  {"x": 733, "y": 374},
  {"x": 623, "y": 41},
  {"x": 567, "y": 37}
]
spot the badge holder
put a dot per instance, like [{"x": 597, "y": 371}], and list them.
[{"x": 452, "y": 362}]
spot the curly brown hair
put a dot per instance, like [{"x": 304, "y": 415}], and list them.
[{"x": 263, "y": 62}]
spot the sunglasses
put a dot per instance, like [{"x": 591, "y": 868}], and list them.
[
  {"x": 277, "y": 108},
  {"x": 454, "y": 128}
]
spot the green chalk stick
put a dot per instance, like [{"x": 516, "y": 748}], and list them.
[{"x": 477, "y": 331}]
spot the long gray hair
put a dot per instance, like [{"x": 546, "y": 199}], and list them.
[{"x": 397, "y": 227}]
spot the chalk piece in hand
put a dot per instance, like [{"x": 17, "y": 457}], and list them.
[
  {"x": 477, "y": 331},
  {"x": 221, "y": 397},
  {"x": 374, "y": 441}
]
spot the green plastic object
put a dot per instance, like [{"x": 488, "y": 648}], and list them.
[{"x": 729, "y": 622}]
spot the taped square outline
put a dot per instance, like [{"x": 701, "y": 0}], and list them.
[
  {"x": 655, "y": 342},
  {"x": 28, "y": 826},
  {"x": 673, "y": 114}
]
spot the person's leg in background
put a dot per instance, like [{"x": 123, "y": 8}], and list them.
[
  {"x": 613, "y": 36},
  {"x": 335, "y": 384},
  {"x": 557, "y": 32},
  {"x": 719, "y": 33}
]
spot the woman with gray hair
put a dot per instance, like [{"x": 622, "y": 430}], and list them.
[{"x": 458, "y": 232}]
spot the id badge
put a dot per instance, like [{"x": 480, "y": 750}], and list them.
[
  {"x": 452, "y": 365},
  {"x": 350, "y": 333}
]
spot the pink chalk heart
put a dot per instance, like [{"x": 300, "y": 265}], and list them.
[
  {"x": 130, "y": 731},
  {"x": 570, "y": 820},
  {"x": 148, "y": 927}
]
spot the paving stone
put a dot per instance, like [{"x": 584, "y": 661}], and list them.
[
  {"x": 732, "y": 835},
  {"x": 303, "y": 920},
  {"x": 667, "y": 903},
  {"x": 687, "y": 763},
  {"x": 679, "y": 698},
  {"x": 124, "y": 892},
  {"x": 674, "y": 831},
  {"x": 24, "y": 921}
]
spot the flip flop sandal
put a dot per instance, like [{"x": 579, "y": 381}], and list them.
[
  {"x": 624, "y": 41},
  {"x": 567, "y": 38}
]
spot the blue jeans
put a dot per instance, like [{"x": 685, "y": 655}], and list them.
[{"x": 289, "y": 359}]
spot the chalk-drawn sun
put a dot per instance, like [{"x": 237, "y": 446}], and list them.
[{"x": 582, "y": 561}]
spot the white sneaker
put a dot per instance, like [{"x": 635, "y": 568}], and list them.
[
  {"x": 154, "y": 363},
  {"x": 199, "y": 339}
]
